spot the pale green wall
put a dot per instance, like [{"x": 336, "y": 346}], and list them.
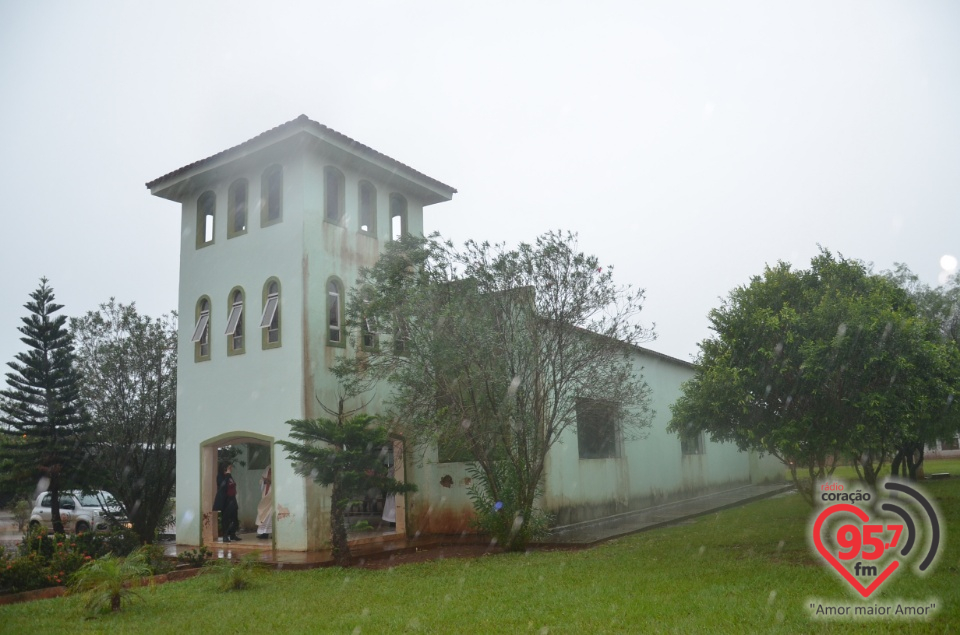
[{"x": 650, "y": 470}]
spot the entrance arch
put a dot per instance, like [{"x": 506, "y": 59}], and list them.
[{"x": 250, "y": 453}]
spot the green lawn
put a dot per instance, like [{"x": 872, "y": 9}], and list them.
[
  {"x": 849, "y": 473},
  {"x": 742, "y": 570}
]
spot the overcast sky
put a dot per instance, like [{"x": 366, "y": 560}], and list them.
[{"x": 688, "y": 143}]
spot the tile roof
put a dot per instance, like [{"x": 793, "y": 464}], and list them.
[{"x": 322, "y": 131}]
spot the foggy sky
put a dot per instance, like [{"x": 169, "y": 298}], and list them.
[{"x": 688, "y": 143}]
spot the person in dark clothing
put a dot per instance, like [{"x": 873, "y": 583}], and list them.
[{"x": 226, "y": 502}]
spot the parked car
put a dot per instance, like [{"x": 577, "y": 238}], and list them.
[{"x": 79, "y": 512}]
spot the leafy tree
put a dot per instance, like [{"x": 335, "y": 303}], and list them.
[
  {"x": 816, "y": 365},
  {"x": 339, "y": 453},
  {"x": 942, "y": 306},
  {"x": 129, "y": 365},
  {"x": 487, "y": 349},
  {"x": 42, "y": 405}
]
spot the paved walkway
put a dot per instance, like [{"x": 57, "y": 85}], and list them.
[
  {"x": 592, "y": 532},
  {"x": 571, "y": 536}
]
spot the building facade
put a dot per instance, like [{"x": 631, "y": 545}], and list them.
[{"x": 274, "y": 232}]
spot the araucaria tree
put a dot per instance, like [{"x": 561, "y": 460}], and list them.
[
  {"x": 816, "y": 365},
  {"x": 348, "y": 454},
  {"x": 129, "y": 367},
  {"x": 488, "y": 351},
  {"x": 41, "y": 405}
]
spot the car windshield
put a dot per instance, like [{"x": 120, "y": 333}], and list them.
[{"x": 91, "y": 500}]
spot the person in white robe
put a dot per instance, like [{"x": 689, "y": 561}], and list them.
[{"x": 265, "y": 508}]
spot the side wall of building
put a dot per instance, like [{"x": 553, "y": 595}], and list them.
[{"x": 651, "y": 467}]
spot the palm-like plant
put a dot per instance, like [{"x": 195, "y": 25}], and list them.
[
  {"x": 237, "y": 576},
  {"x": 109, "y": 581}
]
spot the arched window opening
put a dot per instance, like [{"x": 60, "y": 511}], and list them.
[
  {"x": 332, "y": 194},
  {"x": 398, "y": 216},
  {"x": 270, "y": 320},
  {"x": 271, "y": 196},
  {"x": 368, "y": 325},
  {"x": 237, "y": 205},
  {"x": 206, "y": 210},
  {"x": 368, "y": 208},
  {"x": 235, "y": 323},
  {"x": 201, "y": 332},
  {"x": 334, "y": 312}
]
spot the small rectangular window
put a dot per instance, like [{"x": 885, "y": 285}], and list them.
[
  {"x": 208, "y": 228},
  {"x": 596, "y": 429}
]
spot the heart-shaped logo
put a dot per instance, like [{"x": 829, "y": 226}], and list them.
[{"x": 852, "y": 537}]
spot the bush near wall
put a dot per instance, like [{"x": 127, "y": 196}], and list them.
[{"x": 48, "y": 560}]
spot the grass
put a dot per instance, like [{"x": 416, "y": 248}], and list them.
[
  {"x": 930, "y": 466},
  {"x": 741, "y": 570}
]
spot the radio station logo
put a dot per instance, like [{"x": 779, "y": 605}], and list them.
[{"x": 867, "y": 538}]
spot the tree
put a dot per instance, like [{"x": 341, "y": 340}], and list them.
[
  {"x": 42, "y": 405},
  {"x": 488, "y": 350},
  {"x": 816, "y": 365},
  {"x": 941, "y": 305},
  {"x": 129, "y": 365},
  {"x": 339, "y": 454}
]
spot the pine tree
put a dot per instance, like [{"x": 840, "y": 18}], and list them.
[{"x": 42, "y": 409}]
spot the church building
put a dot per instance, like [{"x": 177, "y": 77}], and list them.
[{"x": 274, "y": 232}]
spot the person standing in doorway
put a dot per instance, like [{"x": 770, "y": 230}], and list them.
[
  {"x": 265, "y": 508},
  {"x": 227, "y": 492}
]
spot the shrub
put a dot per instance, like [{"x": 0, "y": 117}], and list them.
[
  {"x": 21, "y": 513},
  {"x": 110, "y": 581},
  {"x": 25, "y": 573},
  {"x": 119, "y": 541},
  {"x": 195, "y": 557},
  {"x": 238, "y": 575},
  {"x": 503, "y": 519},
  {"x": 45, "y": 559},
  {"x": 156, "y": 559},
  {"x": 37, "y": 540}
]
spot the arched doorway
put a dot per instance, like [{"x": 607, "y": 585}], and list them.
[{"x": 251, "y": 456}]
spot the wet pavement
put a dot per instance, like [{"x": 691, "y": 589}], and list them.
[
  {"x": 385, "y": 546},
  {"x": 592, "y": 532}
]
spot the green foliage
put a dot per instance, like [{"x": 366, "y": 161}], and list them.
[
  {"x": 238, "y": 575},
  {"x": 43, "y": 560},
  {"x": 195, "y": 557},
  {"x": 503, "y": 518},
  {"x": 109, "y": 582},
  {"x": 362, "y": 525},
  {"x": 343, "y": 453},
  {"x": 155, "y": 557},
  {"x": 42, "y": 407},
  {"x": 129, "y": 366},
  {"x": 119, "y": 541},
  {"x": 22, "y": 510},
  {"x": 487, "y": 349},
  {"x": 25, "y": 573},
  {"x": 817, "y": 365}
]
